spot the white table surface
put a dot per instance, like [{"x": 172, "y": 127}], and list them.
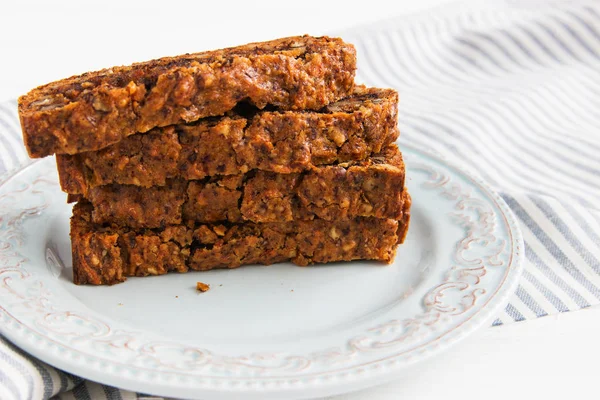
[{"x": 41, "y": 41}]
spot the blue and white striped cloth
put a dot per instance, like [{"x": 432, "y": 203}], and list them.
[{"x": 510, "y": 90}]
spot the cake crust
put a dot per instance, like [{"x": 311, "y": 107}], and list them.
[{"x": 95, "y": 109}]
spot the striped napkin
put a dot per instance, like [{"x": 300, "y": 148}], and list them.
[{"x": 510, "y": 90}]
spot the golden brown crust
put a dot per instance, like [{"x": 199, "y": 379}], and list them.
[
  {"x": 282, "y": 142},
  {"x": 204, "y": 247},
  {"x": 368, "y": 188},
  {"x": 404, "y": 222},
  {"x": 93, "y": 110}
]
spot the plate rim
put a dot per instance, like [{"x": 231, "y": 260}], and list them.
[{"x": 354, "y": 377}]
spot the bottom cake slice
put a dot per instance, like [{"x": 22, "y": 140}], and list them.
[{"x": 104, "y": 255}]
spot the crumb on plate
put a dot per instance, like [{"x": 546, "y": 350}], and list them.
[{"x": 202, "y": 287}]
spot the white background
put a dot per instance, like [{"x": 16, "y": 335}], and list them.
[{"x": 41, "y": 41}]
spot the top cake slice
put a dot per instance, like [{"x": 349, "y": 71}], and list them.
[{"x": 96, "y": 109}]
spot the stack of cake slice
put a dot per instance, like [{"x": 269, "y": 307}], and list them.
[{"x": 256, "y": 154}]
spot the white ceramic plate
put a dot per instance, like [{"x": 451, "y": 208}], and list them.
[{"x": 276, "y": 331}]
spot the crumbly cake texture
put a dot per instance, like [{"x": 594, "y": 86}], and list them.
[
  {"x": 368, "y": 188},
  {"x": 105, "y": 255},
  {"x": 96, "y": 109},
  {"x": 202, "y": 287},
  {"x": 283, "y": 142}
]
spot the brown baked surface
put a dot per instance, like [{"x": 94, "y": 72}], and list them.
[
  {"x": 368, "y": 188},
  {"x": 93, "y": 110},
  {"x": 107, "y": 255},
  {"x": 283, "y": 142}
]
